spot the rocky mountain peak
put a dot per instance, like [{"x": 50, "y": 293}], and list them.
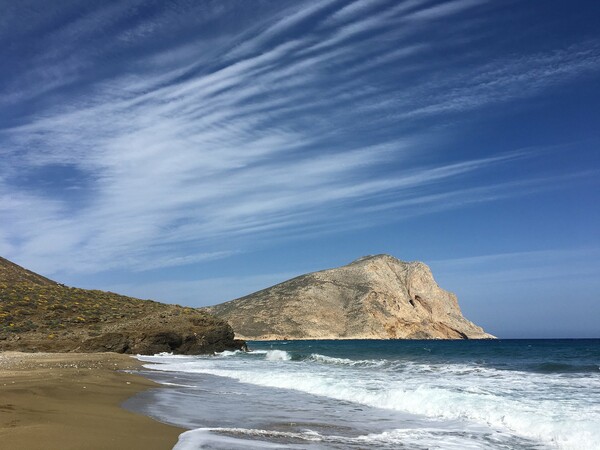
[{"x": 375, "y": 296}]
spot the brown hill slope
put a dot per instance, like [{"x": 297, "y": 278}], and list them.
[
  {"x": 13, "y": 273},
  {"x": 38, "y": 314},
  {"x": 375, "y": 297}
]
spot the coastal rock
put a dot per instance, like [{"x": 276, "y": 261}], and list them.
[
  {"x": 38, "y": 314},
  {"x": 184, "y": 333},
  {"x": 374, "y": 297}
]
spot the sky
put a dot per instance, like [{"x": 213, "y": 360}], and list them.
[{"x": 196, "y": 151}]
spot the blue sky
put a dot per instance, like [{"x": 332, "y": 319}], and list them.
[{"x": 193, "y": 152}]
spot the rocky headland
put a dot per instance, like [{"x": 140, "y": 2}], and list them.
[
  {"x": 40, "y": 315},
  {"x": 374, "y": 297}
]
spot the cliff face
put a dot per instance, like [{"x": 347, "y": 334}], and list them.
[
  {"x": 375, "y": 297},
  {"x": 38, "y": 314}
]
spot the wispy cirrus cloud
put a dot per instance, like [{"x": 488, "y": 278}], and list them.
[
  {"x": 508, "y": 79},
  {"x": 554, "y": 265},
  {"x": 445, "y": 9},
  {"x": 279, "y": 129}
]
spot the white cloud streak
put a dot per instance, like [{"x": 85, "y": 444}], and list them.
[
  {"x": 554, "y": 265},
  {"x": 186, "y": 162},
  {"x": 445, "y": 9}
]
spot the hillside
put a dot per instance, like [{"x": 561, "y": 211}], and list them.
[
  {"x": 38, "y": 314},
  {"x": 375, "y": 297}
]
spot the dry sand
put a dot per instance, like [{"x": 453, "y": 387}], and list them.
[{"x": 70, "y": 401}]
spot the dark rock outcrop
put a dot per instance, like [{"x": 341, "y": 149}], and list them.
[
  {"x": 375, "y": 297},
  {"x": 188, "y": 333}
]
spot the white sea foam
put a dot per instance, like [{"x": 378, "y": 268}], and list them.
[
  {"x": 223, "y": 438},
  {"x": 433, "y": 439},
  {"x": 167, "y": 383},
  {"x": 205, "y": 438},
  {"x": 324, "y": 359},
  {"x": 552, "y": 409},
  {"x": 277, "y": 355},
  {"x": 331, "y": 360},
  {"x": 163, "y": 357},
  {"x": 226, "y": 353}
]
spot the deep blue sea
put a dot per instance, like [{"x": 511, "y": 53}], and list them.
[{"x": 369, "y": 394}]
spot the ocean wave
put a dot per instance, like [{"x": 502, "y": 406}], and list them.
[
  {"x": 164, "y": 358},
  {"x": 555, "y": 404},
  {"x": 506, "y": 404},
  {"x": 324, "y": 359},
  {"x": 204, "y": 438},
  {"x": 415, "y": 439},
  {"x": 554, "y": 367},
  {"x": 227, "y": 353},
  {"x": 167, "y": 383},
  {"x": 277, "y": 355},
  {"x": 163, "y": 355}
]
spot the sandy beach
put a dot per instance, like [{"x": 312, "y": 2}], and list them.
[{"x": 72, "y": 401}]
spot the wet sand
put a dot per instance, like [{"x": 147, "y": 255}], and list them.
[{"x": 70, "y": 401}]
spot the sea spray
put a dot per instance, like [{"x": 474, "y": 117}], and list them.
[{"x": 473, "y": 395}]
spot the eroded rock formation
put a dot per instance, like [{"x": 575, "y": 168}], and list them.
[{"x": 374, "y": 297}]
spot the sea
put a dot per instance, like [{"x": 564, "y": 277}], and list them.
[{"x": 382, "y": 394}]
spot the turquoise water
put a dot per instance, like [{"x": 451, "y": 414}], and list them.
[{"x": 504, "y": 394}]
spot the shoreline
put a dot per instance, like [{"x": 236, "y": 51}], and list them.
[{"x": 70, "y": 401}]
